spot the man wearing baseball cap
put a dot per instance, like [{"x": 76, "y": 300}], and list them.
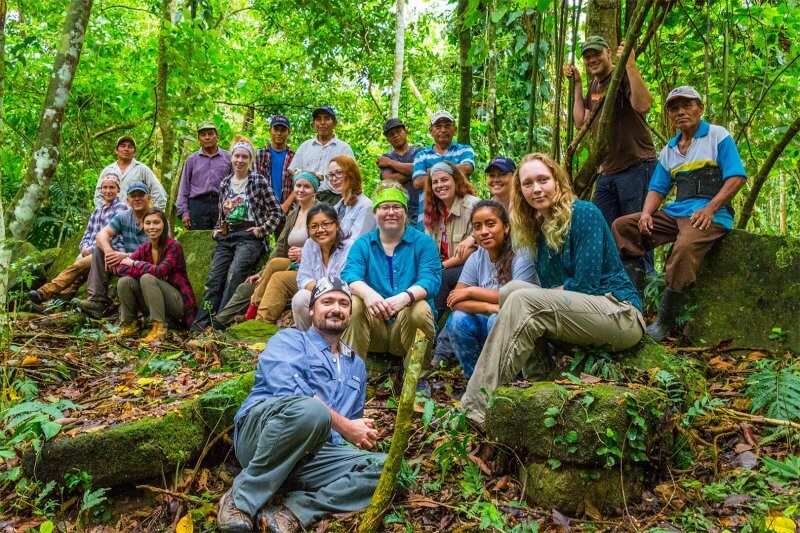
[
  {"x": 631, "y": 159},
  {"x": 499, "y": 173},
  {"x": 443, "y": 130},
  {"x": 703, "y": 162},
  {"x": 130, "y": 170},
  {"x": 398, "y": 165},
  {"x": 204, "y": 170},
  {"x": 302, "y": 430},
  {"x": 273, "y": 162}
]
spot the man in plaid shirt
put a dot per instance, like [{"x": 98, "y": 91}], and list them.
[
  {"x": 69, "y": 280},
  {"x": 273, "y": 161}
]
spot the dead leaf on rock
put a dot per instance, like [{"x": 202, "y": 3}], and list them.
[
  {"x": 720, "y": 365},
  {"x": 562, "y": 521},
  {"x": 742, "y": 447},
  {"x": 591, "y": 511},
  {"x": 737, "y": 499},
  {"x": 756, "y": 356},
  {"x": 747, "y": 460}
]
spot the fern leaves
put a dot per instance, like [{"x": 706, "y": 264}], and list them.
[{"x": 776, "y": 391}]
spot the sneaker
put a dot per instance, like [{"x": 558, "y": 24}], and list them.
[
  {"x": 278, "y": 519},
  {"x": 93, "y": 308},
  {"x": 230, "y": 519}
]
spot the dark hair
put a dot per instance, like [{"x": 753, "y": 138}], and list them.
[
  {"x": 434, "y": 207},
  {"x": 162, "y": 240},
  {"x": 330, "y": 212},
  {"x": 504, "y": 264}
]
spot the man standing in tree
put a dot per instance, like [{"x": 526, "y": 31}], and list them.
[
  {"x": 631, "y": 159},
  {"x": 702, "y": 160},
  {"x": 273, "y": 162},
  {"x": 198, "y": 196},
  {"x": 130, "y": 171},
  {"x": 398, "y": 165}
]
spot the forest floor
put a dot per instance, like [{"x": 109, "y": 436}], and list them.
[{"x": 729, "y": 471}]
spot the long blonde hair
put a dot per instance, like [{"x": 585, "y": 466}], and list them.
[{"x": 527, "y": 224}]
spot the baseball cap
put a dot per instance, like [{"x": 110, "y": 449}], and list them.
[
  {"x": 328, "y": 284},
  {"x": 126, "y": 138},
  {"x": 595, "y": 42},
  {"x": 684, "y": 91},
  {"x": 279, "y": 120},
  {"x": 324, "y": 109},
  {"x": 391, "y": 124},
  {"x": 442, "y": 114},
  {"x": 206, "y": 125},
  {"x": 138, "y": 186},
  {"x": 503, "y": 163}
]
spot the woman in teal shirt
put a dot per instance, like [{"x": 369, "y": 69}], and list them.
[{"x": 585, "y": 296}]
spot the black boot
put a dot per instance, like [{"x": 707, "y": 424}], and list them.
[
  {"x": 671, "y": 304},
  {"x": 635, "y": 270}
]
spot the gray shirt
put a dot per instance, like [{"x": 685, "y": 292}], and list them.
[
  {"x": 313, "y": 156},
  {"x": 479, "y": 271},
  {"x": 136, "y": 171}
]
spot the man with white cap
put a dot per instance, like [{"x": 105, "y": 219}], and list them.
[
  {"x": 702, "y": 160},
  {"x": 130, "y": 170}
]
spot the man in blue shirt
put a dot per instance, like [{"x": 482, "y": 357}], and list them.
[
  {"x": 273, "y": 162},
  {"x": 704, "y": 163},
  {"x": 308, "y": 396},
  {"x": 394, "y": 273}
]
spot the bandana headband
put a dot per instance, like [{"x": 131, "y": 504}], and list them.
[
  {"x": 245, "y": 146},
  {"x": 389, "y": 195},
  {"x": 308, "y": 176}
]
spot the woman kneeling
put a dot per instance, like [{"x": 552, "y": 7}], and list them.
[
  {"x": 586, "y": 298},
  {"x": 154, "y": 281}
]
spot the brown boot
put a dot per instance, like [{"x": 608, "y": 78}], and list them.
[
  {"x": 129, "y": 330},
  {"x": 229, "y": 518},
  {"x": 157, "y": 334},
  {"x": 279, "y": 519}
]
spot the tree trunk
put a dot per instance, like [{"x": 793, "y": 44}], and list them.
[
  {"x": 783, "y": 222},
  {"x": 248, "y": 120},
  {"x": 21, "y": 214},
  {"x": 763, "y": 173},
  {"x": 630, "y": 10},
  {"x": 399, "y": 56},
  {"x": 537, "y": 37},
  {"x": 602, "y": 18},
  {"x": 558, "y": 37},
  {"x": 491, "y": 75},
  {"x": 163, "y": 109},
  {"x": 5, "y": 250},
  {"x": 465, "y": 99}
]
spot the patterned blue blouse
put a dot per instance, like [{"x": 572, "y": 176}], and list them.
[{"x": 588, "y": 261}]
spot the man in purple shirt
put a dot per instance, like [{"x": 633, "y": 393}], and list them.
[{"x": 198, "y": 196}]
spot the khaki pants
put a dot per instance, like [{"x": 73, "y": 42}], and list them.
[
  {"x": 69, "y": 280},
  {"x": 149, "y": 294},
  {"x": 302, "y": 318},
  {"x": 367, "y": 333},
  {"x": 275, "y": 288},
  {"x": 531, "y": 313}
]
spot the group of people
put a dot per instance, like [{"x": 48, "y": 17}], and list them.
[{"x": 488, "y": 281}]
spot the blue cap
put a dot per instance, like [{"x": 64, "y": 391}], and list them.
[
  {"x": 324, "y": 109},
  {"x": 279, "y": 120},
  {"x": 138, "y": 186},
  {"x": 503, "y": 163}
]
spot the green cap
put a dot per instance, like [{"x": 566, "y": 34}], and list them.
[
  {"x": 207, "y": 125},
  {"x": 595, "y": 42}
]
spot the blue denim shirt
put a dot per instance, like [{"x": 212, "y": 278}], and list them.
[
  {"x": 415, "y": 261},
  {"x": 300, "y": 363}
]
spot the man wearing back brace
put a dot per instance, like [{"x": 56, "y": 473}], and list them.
[{"x": 704, "y": 163}]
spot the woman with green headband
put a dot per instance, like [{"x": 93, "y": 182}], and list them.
[{"x": 278, "y": 273}]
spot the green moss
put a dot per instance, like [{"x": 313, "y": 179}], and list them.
[
  {"x": 67, "y": 253},
  {"x": 198, "y": 248},
  {"x": 217, "y": 407},
  {"x": 251, "y": 331}
]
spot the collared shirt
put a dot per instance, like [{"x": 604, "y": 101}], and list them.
[
  {"x": 415, "y": 261},
  {"x": 457, "y": 224},
  {"x": 265, "y": 209},
  {"x": 588, "y": 261},
  {"x": 311, "y": 266},
  {"x": 455, "y": 153},
  {"x": 264, "y": 167},
  {"x": 300, "y": 363},
  {"x": 480, "y": 271},
  {"x": 313, "y": 156},
  {"x": 202, "y": 174},
  {"x": 100, "y": 218},
  {"x": 712, "y": 146},
  {"x": 357, "y": 219},
  {"x": 136, "y": 171},
  {"x": 126, "y": 225}
]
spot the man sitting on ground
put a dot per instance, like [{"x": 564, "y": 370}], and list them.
[
  {"x": 307, "y": 399},
  {"x": 106, "y": 259},
  {"x": 69, "y": 280}
]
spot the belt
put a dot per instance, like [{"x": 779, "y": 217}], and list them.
[{"x": 236, "y": 226}]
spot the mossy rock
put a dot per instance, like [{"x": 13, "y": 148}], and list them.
[
  {"x": 251, "y": 331},
  {"x": 569, "y": 488},
  {"x": 218, "y": 406},
  {"x": 747, "y": 285},
  {"x": 67, "y": 254},
  {"x": 198, "y": 248},
  {"x": 545, "y": 423},
  {"x": 25, "y": 262}
]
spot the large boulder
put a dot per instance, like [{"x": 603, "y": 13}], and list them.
[
  {"x": 198, "y": 248},
  {"x": 748, "y": 285},
  {"x": 67, "y": 254}
]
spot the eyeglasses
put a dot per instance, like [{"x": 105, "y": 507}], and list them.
[
  {"x": 387, "y": 208},
  {"x": 324, "y": 225},
  {"x": 336, "y": 174}
]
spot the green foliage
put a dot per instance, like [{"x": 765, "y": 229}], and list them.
[
  {"x": 776, "y": 391},
  {"x": 699, "y": 408},
  {"x": 777, "y": 334},
  {"x": 786, "y": 470},
  {"x": 595, "y": 361},
  {"x": 34, "y": 421}
]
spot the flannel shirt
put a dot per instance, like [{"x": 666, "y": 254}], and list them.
[
  {"x": 171, "y": 267},
  {"x": 262, "y": 202},
  {"x": 264, "y": 167},
  {"x": 100, "y": 218}
]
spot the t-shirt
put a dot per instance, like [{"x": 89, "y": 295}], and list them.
[
  {"x": 276, "y": 175},
  {"x": 631, "y": 140},
  {"x": 413, "y": 194},
  {"x": 235, "y": 207},
  {"x": 479, "y": 271},
  {"x": 126, "y": 225}
]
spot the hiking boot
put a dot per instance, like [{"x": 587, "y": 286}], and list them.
[
  {"x": 36, "y": 297},
  {"x": 668, "y": 311},
  {"x": 230, "y": 519},
  {"x": 93, "y": 308},
  {"x": 278, "y": 519},
  {"x": 158, "y": 333},
  {"x": 131, "y": 329},
  {"x": 636, "y": 272}
]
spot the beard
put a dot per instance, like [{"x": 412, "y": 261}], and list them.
[{"x": 333, "y": 323}]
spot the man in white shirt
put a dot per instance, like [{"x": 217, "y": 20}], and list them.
[{"x": 130, "y": 171}]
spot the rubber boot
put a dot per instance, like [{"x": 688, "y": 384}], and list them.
[
  {"x": 671, "y": 304},
  {"x": 636, "y": 272}
]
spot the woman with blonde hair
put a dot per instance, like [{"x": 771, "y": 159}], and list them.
[
  {"x": 354, "y": 208},
  {"x": 585, "y": 296}
]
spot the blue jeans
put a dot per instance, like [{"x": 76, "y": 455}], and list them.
[{"x": 467, "y": 333}]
